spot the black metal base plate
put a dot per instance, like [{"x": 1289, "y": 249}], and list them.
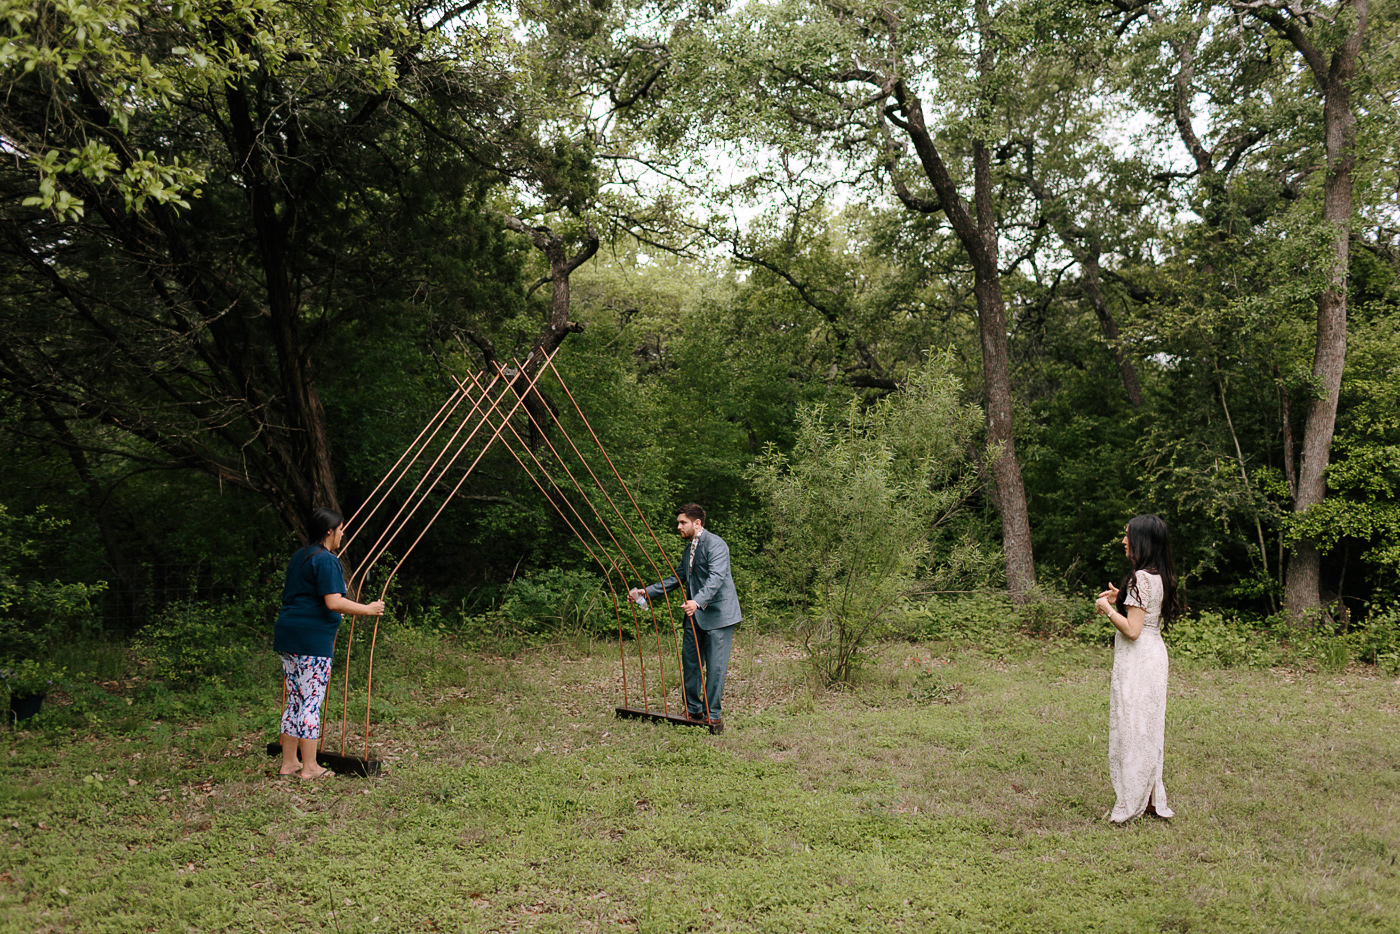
[
  {"x": 341, "y": 765},
  {"x": 632, "y": 713}
]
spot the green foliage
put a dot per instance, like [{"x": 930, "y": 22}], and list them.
[
  {"x": 194, "y": 643},
  {"x": 859, "y": 509},
  {"x": 1228, "y": 640},
  {"x": 554, "y": 602},
  {"x": 977, "y": 618},
  {"x": 30, "y": 676},
  {"x": 1362, "y": 508},
  {"x": 534, "y": 609},
  {"x": 93, "y": 52},
  {"x": 1050, "y": 615},
  {"x": 35, "y": 614},
  {"x": 1377, "y": 639}
]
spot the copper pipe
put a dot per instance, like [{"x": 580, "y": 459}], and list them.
[
  {"x": 646, "y": 703},
  {"x": 453, "y": 401},
  {"x": 369, "y": 683},
  {"x": 636, "y": 508},
  {"x": 564, "y": 498},
  {"x": 345, "y": 697},
  {"x": 492, "y": 440},
  {"x": 375, "y": 636},
  {"x": 355, "y": 586},
  {"x": 598, "y": 483},
  {"x": 395, "y": 525},
  {"x": 621, "y": 550}
]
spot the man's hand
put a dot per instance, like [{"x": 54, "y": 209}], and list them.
[
  {"x": 635, "y": 594},
  {"x": 690, "y": 607}
]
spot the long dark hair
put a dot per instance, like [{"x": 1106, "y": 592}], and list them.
[
  {"x": 1150, "y": 549},
  {"x": 322, "y": 521}
]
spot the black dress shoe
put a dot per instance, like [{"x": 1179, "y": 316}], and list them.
[{"x": 716, "y": 725}]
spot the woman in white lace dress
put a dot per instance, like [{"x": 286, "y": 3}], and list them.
[{"x": 1137, "y": 700}]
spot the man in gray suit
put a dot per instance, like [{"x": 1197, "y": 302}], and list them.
[{"x": 712, "y": 612}]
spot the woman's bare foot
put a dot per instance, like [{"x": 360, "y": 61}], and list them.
[{"x": 319, "y": 773}]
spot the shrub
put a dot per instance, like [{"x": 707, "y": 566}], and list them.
[
  {"x": 193, "y": 643},
  {"x": 1230, "y": 641},
  {"x": 35, "y": 614},
  {"x": 963, "y": 617},
  {"x": 858, "y": 506},
  {"x": 28, "y": 677},
  {"x": 1049, "y": 615},
  {"x": 560, "y": 602},
  {"x": 1377, "y": 640}
]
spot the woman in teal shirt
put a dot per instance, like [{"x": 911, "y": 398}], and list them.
[{"x": 312, "y": 601}]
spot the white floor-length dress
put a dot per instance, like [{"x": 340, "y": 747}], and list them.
[{"x": 1137, "y": 708}]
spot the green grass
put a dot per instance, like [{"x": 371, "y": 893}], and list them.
[{"x": 954, "y": 790}]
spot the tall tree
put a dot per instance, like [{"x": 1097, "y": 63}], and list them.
[
  {"x": 205, "y": 193},
  {"x": 1330, "y": 42},
  {"x": 915, "y": 98},
  {"x": 1257, "y": 105}
]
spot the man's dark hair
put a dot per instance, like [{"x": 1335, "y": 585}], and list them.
[{"x": 692, "y": 511}]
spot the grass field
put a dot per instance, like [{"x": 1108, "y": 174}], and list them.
[{"x": 954, "y": 790}]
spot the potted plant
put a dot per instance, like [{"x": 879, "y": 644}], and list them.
[{"x": 26, "y": 682}]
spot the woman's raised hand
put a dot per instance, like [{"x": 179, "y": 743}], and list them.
[{"x": 1107, "y": 599}]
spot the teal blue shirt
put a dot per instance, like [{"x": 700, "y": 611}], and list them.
[{"x": 305, "y": 626}]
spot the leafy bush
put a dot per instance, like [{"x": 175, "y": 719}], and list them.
[
  {"x": 36, "y": 614},
  {"x": 1229, "y": 641},
  {"x": 28, "y": 676},
  {"x": 1377, "y": 640},
  {"x": 971, "y": 618},
  {"x": 858, "y": 507},
  {"x": 1051, "y": 615},
  {"x": 193, "y": 643},
  {"x": 560, "y": 602},
  {"x": 531, "y": 610}
]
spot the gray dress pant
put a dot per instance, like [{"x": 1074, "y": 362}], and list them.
[{"x": 714, "y": 650}]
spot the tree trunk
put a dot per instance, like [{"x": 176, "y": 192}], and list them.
[
  {"x": 1302, "y": 596},
  {"x": 996, "y": 368},
  {"x": 1093, "y": 286},
  {"x": 557, "y": 326},
  {"x": 978, "y": 237},
  {"x": 306, "y": 453}
]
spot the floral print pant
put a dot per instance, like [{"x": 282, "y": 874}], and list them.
[{"x": 306, "y": 678}]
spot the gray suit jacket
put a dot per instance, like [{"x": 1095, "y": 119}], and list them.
[{"x": 708, "y": 580}]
